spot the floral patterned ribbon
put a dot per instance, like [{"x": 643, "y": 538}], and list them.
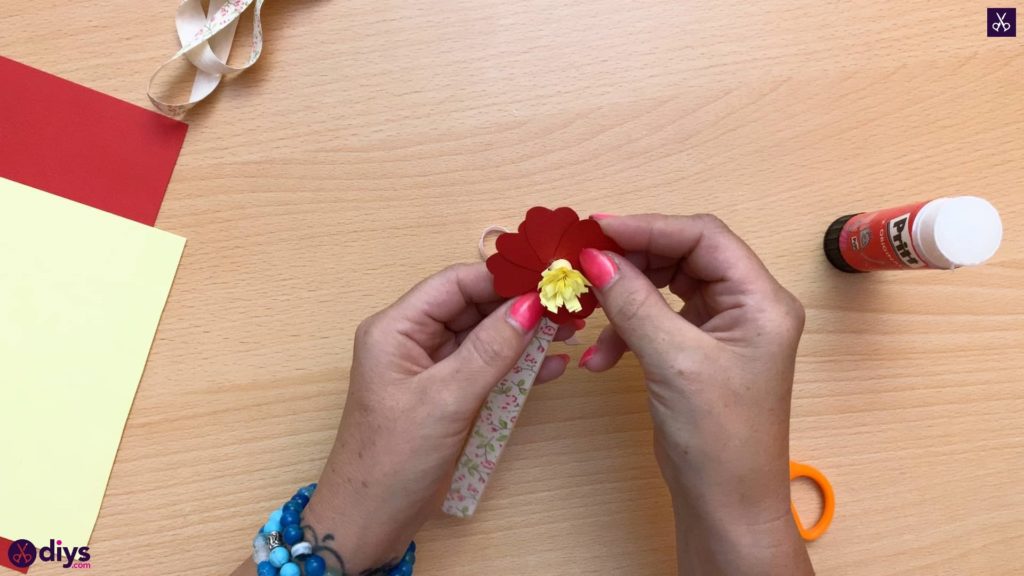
[
  {"x": 206, "y": 39},
  {"x": 494, "y": 426}
]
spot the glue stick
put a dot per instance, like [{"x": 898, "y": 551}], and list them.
[{"x": 944, "y": 234}]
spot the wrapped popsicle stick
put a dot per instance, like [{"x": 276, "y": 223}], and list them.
[
  {"x": 544, "y": 255},
  {"x": 494, "y": 426}
]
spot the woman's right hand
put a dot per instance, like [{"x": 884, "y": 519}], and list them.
[{"x": 719, "y": 375}]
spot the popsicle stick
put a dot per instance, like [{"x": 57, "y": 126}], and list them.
[{"x": 494, "y": 426}]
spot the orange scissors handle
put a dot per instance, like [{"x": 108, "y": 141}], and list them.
[{"x": 828, "y": 498}]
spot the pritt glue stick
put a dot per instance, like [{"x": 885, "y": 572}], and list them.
[{"x": 945, "y": 233}]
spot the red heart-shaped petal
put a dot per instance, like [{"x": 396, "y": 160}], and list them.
[
  {"x": 584, "y": 234},
  {"x": 544, "y": 229},
  {"x": 511, "y": 280},
  {"x": 517, "y": 250}
]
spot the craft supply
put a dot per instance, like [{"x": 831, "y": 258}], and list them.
[
  {"x": 481, "y": 246},
  {"x": 545, "y": 240},
  {"x": 946, "y": 233},
  {"x": 72, "y": 141},
  {"x": 828, "y": 500},
  {"x": 494, "y": 426},
  {"x": 81, "y": 293},
  {"x": 205, "y": 38},
  {"x": 542, "y": 256}
]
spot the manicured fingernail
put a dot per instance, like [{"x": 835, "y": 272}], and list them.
[
  {"x": 601, "y": 216},
  {"x": 597, "y": 267},
  {"x": 565, "y": 358},
  {"x": 525, "y": 311},
  {"x": 587, "y": 354},
  {"x": 579, "y": 323}
]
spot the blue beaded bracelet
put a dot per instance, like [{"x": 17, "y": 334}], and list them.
[{"x": 279, "y": 548}]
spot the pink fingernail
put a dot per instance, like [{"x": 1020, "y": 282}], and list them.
[
  {"x": 587, "y": 354},
  {"x": 565, "y": 358},
  {"x": 579, "y": 323},
  {"x": 525, "y": 311},
  {"x": 601, "y": 216},
  {"x": 597, "y": 267}
]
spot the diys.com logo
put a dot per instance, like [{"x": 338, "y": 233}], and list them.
[{"x": 23, "y": 553}]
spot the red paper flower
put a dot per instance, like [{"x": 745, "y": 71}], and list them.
[{"x": 547, "y": 247}]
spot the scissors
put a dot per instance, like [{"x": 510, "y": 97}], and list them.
[
  {"x": 828, "y": 498},
  {"x": 1001, "y": 25}
]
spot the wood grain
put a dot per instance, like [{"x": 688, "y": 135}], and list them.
[{"x": 373, "y": 142}]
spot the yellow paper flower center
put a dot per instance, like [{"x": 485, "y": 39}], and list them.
[{"x": 560, "y": 285}]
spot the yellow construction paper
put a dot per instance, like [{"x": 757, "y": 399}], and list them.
[{"x": 81, "y": 293}]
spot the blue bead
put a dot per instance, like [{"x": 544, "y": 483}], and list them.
[
  {"x": 308, "y": 490},
  {"x": 402, "y": 569},
  {"x": 265, "y": 568},
  {"x": 412, "y": 547},
  {"x": 301, "y": 499},
  {"x": 279, "y": 556},
  {"x": 315, "y": 566},
  {"x": 290, "y": 569},
  {"x": 289, "y": 518},
  {"x": 275, "y": 515},
  {"x": 272, "y": 526},
  {"x": 292, "y": 534},
  {"x": 293, "y": 506}
]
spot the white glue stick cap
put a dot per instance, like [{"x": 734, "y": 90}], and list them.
[{"x": 958, "y": 231}]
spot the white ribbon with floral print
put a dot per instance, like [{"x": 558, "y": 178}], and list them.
[
  {"x": 494, "y": 426},
  {"x": 206, "y": 39}
]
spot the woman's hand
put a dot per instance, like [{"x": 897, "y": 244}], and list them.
[
  {"x": 421, "y": 370},
  {"x": 720, "y": 377}
]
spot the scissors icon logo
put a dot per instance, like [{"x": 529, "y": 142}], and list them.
[
  {"x": 1002, "y": 21},
  {"x": 1001, "y": 25},
  {"x": 21, "y": 553}
]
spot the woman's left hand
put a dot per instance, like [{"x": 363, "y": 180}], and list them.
[{"x": 421, "y": 369}]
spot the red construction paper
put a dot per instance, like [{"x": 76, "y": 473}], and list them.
[
  {"x": 72, "y": 141},
  {"x": 545, "y": 236}
]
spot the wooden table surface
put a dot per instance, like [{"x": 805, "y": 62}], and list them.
[{"x": 374, "y": 140}]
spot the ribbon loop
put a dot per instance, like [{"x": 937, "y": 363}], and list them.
[{"x": 206, "y": 38}]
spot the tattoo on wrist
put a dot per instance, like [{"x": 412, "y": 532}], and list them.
[{"x": 325, "y": 547}]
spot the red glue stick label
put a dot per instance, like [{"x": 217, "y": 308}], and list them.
[{"x": 882, "y": 240}]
